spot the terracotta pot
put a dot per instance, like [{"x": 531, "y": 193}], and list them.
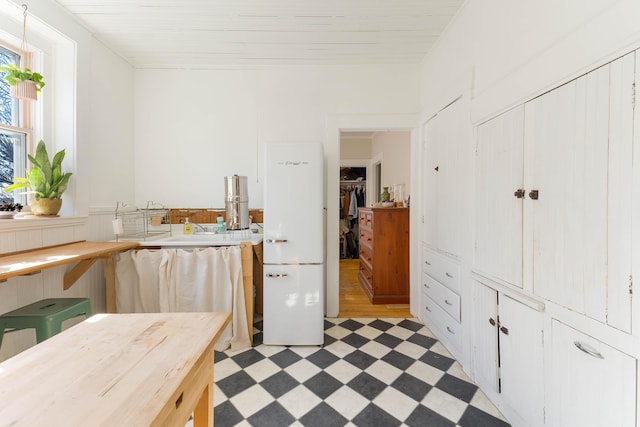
[
  {"x": 44, "y": 207},
  {"x": 24, "y": 90}
]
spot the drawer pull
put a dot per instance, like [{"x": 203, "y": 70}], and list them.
[
  {"x": 504, "y": 330},
  {"x": 427, "y": 262},
  {"x": 427, "y": 286},
  {"x": 276, "y": 275},
  {"x": 276, "y": 240},
  {"x": 447, "y": 302},
  {"x": 427, "y": 308},
  {"x": 448, "y": 275},
  {"x": 179, "y": 400},
  {"x": 587, "y": 349},
  {"x": 492, "y": 322},
  {"x": 450, "y": 330}
]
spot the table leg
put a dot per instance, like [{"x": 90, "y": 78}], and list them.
[
  {"x": 110, "y": 279},
  {"x": 203, "y": 412}
]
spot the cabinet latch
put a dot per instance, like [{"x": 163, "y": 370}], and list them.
[
  {"x": 533, "y": 194},
  {"x": 519, "y": 193}
]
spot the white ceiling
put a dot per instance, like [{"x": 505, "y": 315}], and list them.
[{"x": 213, "y": 33}]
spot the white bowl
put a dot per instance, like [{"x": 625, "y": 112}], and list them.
[{"x": 387, "y": 204}]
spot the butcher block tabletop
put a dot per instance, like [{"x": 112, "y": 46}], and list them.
[{"x": 116, "y": 370}]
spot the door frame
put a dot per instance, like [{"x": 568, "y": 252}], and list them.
[{"x": 336, "y": 124}]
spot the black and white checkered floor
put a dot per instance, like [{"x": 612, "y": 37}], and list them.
[{"x": 370, "y": 372}]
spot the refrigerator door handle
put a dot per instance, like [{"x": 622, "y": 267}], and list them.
[
  {"x": 276, "y": 275},
  {"x": 276, "y": 240}
]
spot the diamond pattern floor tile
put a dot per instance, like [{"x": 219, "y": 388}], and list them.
[{"x": 370, "y": 372}]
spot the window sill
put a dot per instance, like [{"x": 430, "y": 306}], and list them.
[{"x": 31, "y": 222}]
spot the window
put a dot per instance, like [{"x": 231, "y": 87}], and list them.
[{"x": 13, "y": 136}]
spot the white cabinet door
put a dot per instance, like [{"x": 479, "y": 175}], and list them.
[
  {"x": 578, "y": 159},
  {"x": 593, "y": 384},
  {"x": 521, "y": 355},
  {"x": 498, "y": 208},
  {"x": 451, "y": 173},
  {"x": 430, "y": 192},
  {"x": 446, "y": 165},
  {"x": 485, "y": 345}
]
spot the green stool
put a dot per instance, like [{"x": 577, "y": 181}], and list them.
[{"x": 46, "y": 316}]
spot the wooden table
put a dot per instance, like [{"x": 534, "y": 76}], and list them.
[
  {"x": 84, "y": 253},
  {"x": 149, "y": 369}
]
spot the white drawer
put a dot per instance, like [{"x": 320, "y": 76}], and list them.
[
  {"x": 442, "y": 269},
  {"x": 448, "y": 300},
  {"x": 446, "y": 328}
]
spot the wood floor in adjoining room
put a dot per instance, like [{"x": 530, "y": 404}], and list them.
[{"x": 355, "y": 303}]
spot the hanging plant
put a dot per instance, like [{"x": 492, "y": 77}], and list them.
[{"x": 25, "y": 84}]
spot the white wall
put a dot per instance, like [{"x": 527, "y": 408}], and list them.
[
  {"x": 111, "y": 104},
  {"x": 193, "y": 127},
  {"x": 355, "y": 148},
  {"x": 505, "y": 52},
  {"x": 395, "y": 148}
]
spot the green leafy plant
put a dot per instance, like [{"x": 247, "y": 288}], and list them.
[
  {"x": 45, "y": 178},
  {"x": 13, "y": 73}
]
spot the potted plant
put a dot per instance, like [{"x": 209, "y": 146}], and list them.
[
  {"x": 8, "y": 209},
  {"x": 25, "y": 84},
  {"x": 45, "y": 181}
]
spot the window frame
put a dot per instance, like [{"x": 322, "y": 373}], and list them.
[{"x": 24, "y": 129}]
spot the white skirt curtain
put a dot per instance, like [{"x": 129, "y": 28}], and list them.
[{"x": 177, "y": 280}]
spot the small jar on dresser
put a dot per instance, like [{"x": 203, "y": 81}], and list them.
[{"x": 384, "y": 254}]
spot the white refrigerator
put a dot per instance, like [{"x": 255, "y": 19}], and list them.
[{"x": 293, "y": 245}]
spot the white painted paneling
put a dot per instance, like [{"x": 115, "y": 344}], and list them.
[
  {"x": 201, "y": 34},
  {"x": 620, "y": 191},
  {"x": 566, "y": 141},
  {"x": 589, "y": 390},
  {"x": 521, "y": 360},
  {"x": 485, "y": 337},
  {"x": 498, "y": 212}
]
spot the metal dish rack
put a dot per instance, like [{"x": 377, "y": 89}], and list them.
[{"x": 132, "y": 223}]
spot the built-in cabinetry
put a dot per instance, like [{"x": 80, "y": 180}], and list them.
[
  {"x": 595, "y": 384},
  {"x": 508, "y": 352},
  {"x": 384, "y": 254},
  {"x": 553, "y": 195},
  {"x": 440, "y": 309},
  {"x": 552, "y": 264}
]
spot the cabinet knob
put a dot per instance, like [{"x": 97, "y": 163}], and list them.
[
  {"x": 504, "y": 330},
  {"x": 533, "y": 194},
  {"x": 492, "y": 322},
  {"x": 437, "y": 168},
  {"x": 519, "y": 193}
]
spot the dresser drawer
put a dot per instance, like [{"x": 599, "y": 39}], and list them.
[
  {"x": 365, "y": 238},
  {"x": 366, "y": 256},
  {"x": 366, "y": 279},
  {"x": 442, "y": 269},
  {"x": 448, "y": 300},
  {"x": 365, "y": 219},
  {"x": 446, "y": 328}
]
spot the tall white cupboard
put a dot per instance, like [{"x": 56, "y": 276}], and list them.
[{"x": 549, "y": 323}]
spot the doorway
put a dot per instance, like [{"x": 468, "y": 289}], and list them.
[{"x": 362, "y": 169}]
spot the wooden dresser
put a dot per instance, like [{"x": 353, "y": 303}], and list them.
[{"x": 384, "y": 254}]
